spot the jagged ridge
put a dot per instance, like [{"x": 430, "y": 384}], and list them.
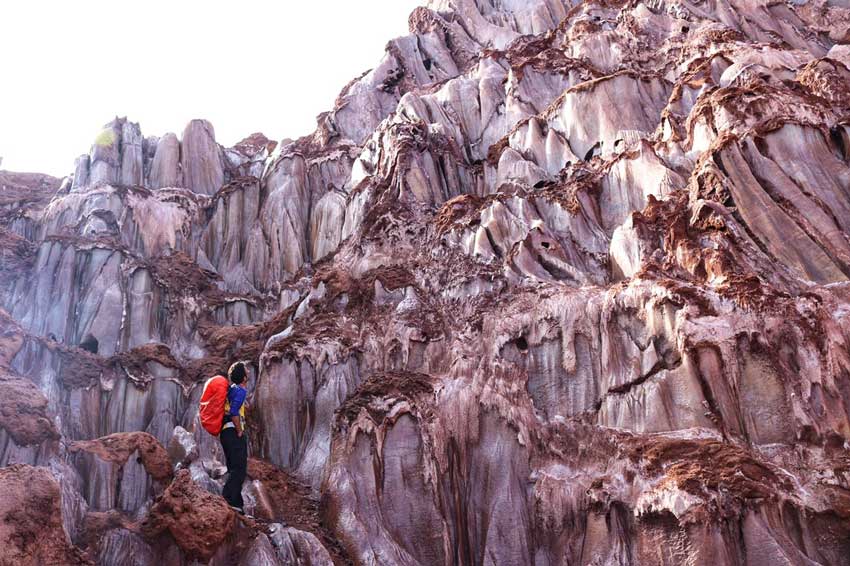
[{"x": 554, "y": 283}]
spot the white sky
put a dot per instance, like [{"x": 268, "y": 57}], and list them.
[{"x": 67, "y": 68}]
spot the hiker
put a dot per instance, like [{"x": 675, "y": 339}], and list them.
[
  {"x": 232, "y": 436},
  {"x": 222, "y": 414}
]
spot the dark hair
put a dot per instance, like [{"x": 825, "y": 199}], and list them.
[{"x": 237, "y": 373}]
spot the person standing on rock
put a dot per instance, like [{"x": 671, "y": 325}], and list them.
[{"x": 233, "y": 439}]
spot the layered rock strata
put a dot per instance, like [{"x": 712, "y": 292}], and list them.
[{"x": 554, "y": 283}]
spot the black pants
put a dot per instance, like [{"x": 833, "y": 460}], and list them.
[{"x": 236, "y": 456}]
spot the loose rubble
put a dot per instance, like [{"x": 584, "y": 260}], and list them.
[{"x": 553, "y": 283}]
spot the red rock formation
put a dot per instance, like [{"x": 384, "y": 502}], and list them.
[
  {"x": 23, "y": 411},
  {"x": 554, "y": 283},
  {"x": 282, "y": 498},
  {"x": 11, "y": 339},
  {"x": 118, "y": 447},
  {"x": 31, "y": 521},
  {"x": 197, "y": 521}
]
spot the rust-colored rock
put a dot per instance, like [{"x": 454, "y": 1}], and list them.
[
  {"x": 552, "y": 283},
  {"x": 31, "y": 520},
  {"x": 11, "y": 339},
  {"x": 23, "y": 411},
  {"x": 197, "y": 521},
  {"x": 283, "y": 498},
  {"x": 118, "y": 447}
]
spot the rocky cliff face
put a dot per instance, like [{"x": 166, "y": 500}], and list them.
[{"x": 555, "y": 283}]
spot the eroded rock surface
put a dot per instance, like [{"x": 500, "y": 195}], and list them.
[
  {"x": 31, "y": 520},
  {"x": 23, "y": 411},
  {"x": 197, "y": 521},
  {"x": 554, "y": 283}
]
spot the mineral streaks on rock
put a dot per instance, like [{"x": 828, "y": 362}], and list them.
[
  {"x": 554, "y": 283},
  {"x": 165, "y": 167},
  {"x": 201, "y": 159},
  {"x": 280, "y": 497}
]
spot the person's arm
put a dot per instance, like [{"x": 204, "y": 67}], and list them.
[
  {"x": 238, "y": 398},
  {"x": 237, "y": 422}
]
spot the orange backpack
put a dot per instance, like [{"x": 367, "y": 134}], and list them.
[{"x": 213, "y": 399}]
